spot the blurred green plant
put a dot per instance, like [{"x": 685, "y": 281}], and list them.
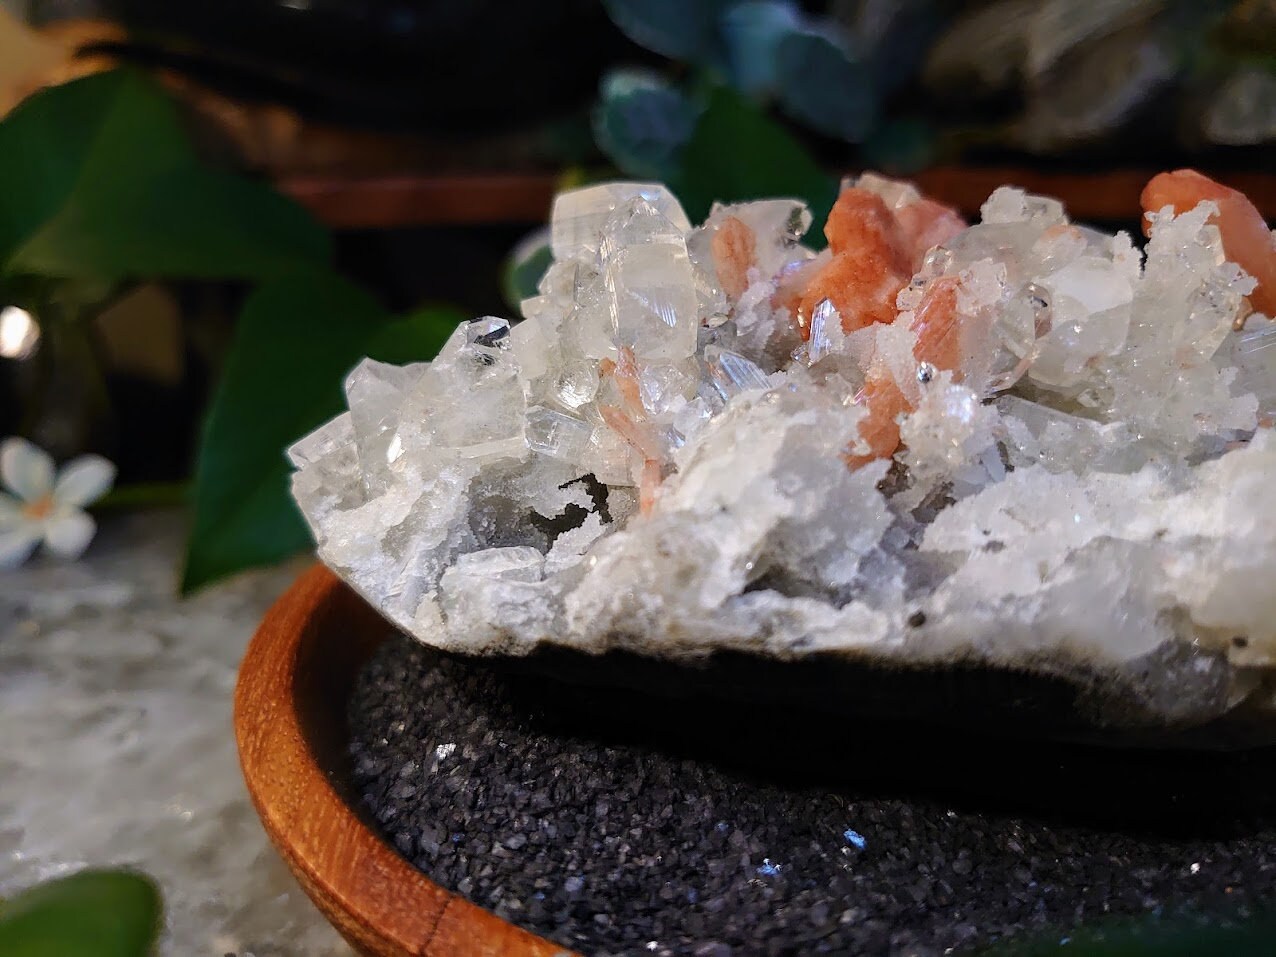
[
  {"x": 525, "y": 266},
  {"x": 104, "y": 189},
  {"x": 905, "y": 83},
  {"x": 102, "y": 186},
  {"x": 95, "y": 913},
  {"x": 296, "y": 339},
  {"x": 830, "y": 74}
]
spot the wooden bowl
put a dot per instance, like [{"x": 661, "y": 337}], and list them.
[{"x": 290, "y": 724}]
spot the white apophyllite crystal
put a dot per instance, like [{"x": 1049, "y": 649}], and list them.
[
  {"x": 660, "y": 457},
  {"x": 650, "y": 287},
  {"x": 376, "y": 391},
  {"x": 557, "y": 434},
  {"x": 951, "y": 434},
  {"x": 1251, "y": 353},
  {"x": 576, "y": 229}
]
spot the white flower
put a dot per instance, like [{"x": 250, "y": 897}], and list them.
[{"x": 42, "y": 509}]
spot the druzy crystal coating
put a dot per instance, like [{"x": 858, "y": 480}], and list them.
[{"x": 1052, "y": 444}]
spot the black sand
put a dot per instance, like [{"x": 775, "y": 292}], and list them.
[{"x": 620, "y": 824}]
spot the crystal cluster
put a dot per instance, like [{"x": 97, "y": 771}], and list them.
[{"x": 1044, "y": 443}]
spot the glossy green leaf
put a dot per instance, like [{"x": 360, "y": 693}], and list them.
[
  {"x": 526, "y": 265},
  {"x": 895, "y": 44},
  {"x": 753, "y": 32},
  {"x": 294, "y": 343},
  {"x": 737, "y": 152},
  {"x": 901, "y": 147},
  {"x": 821, "y": 84},
  {"x": 89, "y": 914},
  {"x": 682, "y": 29},
  {"x": 642, "y": 122},
  {"x": 101, "y": 184}
]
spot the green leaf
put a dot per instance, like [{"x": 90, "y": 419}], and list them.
[
  {"x": 89, "y": 914},
  {"x": 819, "y": 83},
  {"x": 685, "y": 30},
  {"x": 294, "y": 343},
  {"x": 737, "y": 153},
  {"x": 642, "y": 123},
  {"x": 753, "y": 32},
  {"x": 522, "y": 272},
  {"x": 101, "y": 184},
  {"x": 413, "y": 338}
]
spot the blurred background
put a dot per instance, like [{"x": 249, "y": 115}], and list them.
[{"x": 208, "y": 211}]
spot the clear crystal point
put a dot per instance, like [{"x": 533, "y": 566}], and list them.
[
  {"x": 488, "y": 332},
  {"x": 826, "y": 331},
  {"x": 557, "y": 434},
  {"x": 333, "y": 435},
  {"x": 664, "y": 388},
  {"x": 649, "y": 284},
  {"x": 579, "y": 215},
  {"x": 375, "y": 392},
  {"x": 732, "y": 373}
]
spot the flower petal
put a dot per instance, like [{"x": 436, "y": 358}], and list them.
[
  {"x": 17, "y": 544},
  {"x": 10, "y": 512},
  {"x": 27, "y": 471},
  {"x": 83, "y": 481},
  {"x": 67, "y": 532}
]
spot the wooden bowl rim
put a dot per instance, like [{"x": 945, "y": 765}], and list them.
[{"x": 378, "y": 901}]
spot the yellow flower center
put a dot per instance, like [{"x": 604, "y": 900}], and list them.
[{"x": 39, "y": 508}]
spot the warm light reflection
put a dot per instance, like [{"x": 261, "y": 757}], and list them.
[{"x": 18, "y": 333}]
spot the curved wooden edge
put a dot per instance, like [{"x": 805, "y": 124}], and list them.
[{"x": 289, "y": 725}]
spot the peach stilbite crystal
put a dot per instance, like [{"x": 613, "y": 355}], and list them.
[{"x": 1246, "y": 238}]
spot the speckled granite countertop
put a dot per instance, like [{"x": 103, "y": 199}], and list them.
[{"x": 116, "y": 743}]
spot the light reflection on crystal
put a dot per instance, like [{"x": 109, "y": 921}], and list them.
[
  {"x": 488, "y": 332},
  {"x": 826, "y": 327},
  {"x": 732, "y": 373},
  {"x": 577, "y": 384},
  {"x": 554, "y": 433}
]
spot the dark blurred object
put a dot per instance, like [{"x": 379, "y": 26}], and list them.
[
  {"x": 916, "y": 83},
  {"x": 422, "y": 64},
  {"x": 451, "y": 263},
  {"x": 1110, "y": 79}
]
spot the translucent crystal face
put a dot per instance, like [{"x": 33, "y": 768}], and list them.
[
  {"x": 694, "y": 439},
  {"x": 576, "y": 230}
]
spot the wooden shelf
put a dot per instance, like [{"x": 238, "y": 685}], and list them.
[
  {"x": 390, "y": 202},
  {"x": 1112, "y": 196},
  {"x": 394, "y": 202}
]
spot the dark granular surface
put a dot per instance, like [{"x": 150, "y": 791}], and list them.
[{"x": 615, "y": 823}]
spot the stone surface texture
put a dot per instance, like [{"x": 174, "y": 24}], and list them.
[
  {"x": 116, "y": 745},
  {"x": 1055, "y": 453}
]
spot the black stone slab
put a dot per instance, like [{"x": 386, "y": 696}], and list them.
[{"x": 619, "y": 823}]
